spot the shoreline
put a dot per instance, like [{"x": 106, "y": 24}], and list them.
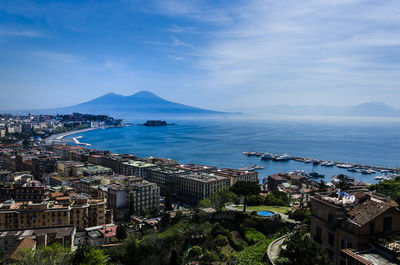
[{"x": 59, "y": 136}]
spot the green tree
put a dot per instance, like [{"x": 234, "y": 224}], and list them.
[
  {"x": 54, "y": 254},
  {"x": 245, "y": 189},
  {"x": 88, "y": 255},
  {"x": 121, "y": 232},
  {"x": 302, "y": 250},
  {"x": 195, "y": 252}
]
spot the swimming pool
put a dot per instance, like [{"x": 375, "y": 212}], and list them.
[{"x": 266, "y": 213}]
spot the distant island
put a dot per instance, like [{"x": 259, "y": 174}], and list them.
[{"x": 154, "y": 123}]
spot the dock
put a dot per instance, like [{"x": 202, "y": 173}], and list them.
[{"x": 346, "y": 165}]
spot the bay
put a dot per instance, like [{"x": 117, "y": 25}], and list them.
[{"x": 219, "y": 142}]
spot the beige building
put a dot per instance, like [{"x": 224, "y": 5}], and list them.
[
  {"x": 136, "y": 168},
  {"x": 351, "y": 221},
  {"x": 194, "y": 187},
  {"x": 237, "y": 175},
  {"x": 82, "y": 213}
]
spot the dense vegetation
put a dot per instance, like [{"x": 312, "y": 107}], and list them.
[
  {"x": 389, "y": 188},
  {"x": 301, "y": 249}
]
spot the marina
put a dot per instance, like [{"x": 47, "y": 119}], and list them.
[{"x": 388, "y": 173}]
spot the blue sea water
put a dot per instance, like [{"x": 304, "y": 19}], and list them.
[{"x": 220, "y": 143}]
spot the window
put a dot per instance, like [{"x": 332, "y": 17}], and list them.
[
  {"x": 387, "y": 223},
  {"x": 331, "y": 238},
  {"x": 372, "y": 228},
  {"x": 346, "y": 243},
  {"x": 331, "y": 219},
  {"x": 318, "y": 234}
]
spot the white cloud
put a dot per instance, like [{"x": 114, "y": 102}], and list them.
[
  {"x": 297, "y": 46},
  {"x": 21, "y": 33},
  {"x": 57, "y": 56}
]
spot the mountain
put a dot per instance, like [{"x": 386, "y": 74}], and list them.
[
  {"x": 142, "y": 104},
  {"x": 374, "y": 108}
]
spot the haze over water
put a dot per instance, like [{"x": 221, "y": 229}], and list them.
[{"x": 220, "y": 143}]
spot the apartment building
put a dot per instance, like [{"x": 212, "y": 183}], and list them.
[
  {"x": 68, "y": 168},
  {"x": 32, "y": 190},
  {"x": 237, "y": 175},
  {"x": 161, "y": 175},
  {"x": 92, "y": 170},
  {"x": 196, "y": 168},
  {"x": 194, "y": 187},
  {"x": 82, "y": 213},
  {"x": 341, "y": 221},
  {"x": 11, "y": 241},
  {"x": 143, "y": 195},
  {"x": 136, "y": 168}
]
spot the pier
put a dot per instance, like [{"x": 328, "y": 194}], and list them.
[{"x": 361, "y": 168}]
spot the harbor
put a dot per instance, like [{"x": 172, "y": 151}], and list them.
[{"x": 379, "y": 172}]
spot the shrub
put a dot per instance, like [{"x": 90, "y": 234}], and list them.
[
  {"x": 221, "y": 241},
  {"x": 195, "y": 252},
  {"x": 251, "y": 235}
]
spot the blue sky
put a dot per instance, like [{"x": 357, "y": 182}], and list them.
[{"x": 227, "y": 55}]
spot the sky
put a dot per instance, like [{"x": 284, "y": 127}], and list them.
[{"x": 224, "y": 55}]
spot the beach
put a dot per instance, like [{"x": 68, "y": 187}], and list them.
[{"x": 59, "y": 136}]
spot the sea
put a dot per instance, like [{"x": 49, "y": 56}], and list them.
[{"x": 220, "y": 142}]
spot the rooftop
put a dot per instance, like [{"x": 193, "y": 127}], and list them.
[{"x": 203, "y": 177}]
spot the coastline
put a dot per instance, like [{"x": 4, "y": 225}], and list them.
[{"x": 59, "y": 136}]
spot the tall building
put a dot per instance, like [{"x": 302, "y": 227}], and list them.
[{"x": 143, "y": 195}]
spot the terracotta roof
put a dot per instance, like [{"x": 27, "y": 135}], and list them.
[
  {"x": 56, "y": 194},
  {"x": 109, "y": 231},
  {"x": 360, "y": 259},
  {"x": 25, "y": 243},
  {"x": 369, "y": 210}
]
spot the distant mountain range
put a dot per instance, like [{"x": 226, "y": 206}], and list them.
[
  {"x": 147, "y": 105},
  {"x": 374, "y": 108},
  {"x": 142, "y": 104}
]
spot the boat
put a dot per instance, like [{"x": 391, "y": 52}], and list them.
[
  {"x": 246, "y": 153},
  {"x": 379, "y": 178},
  {"x": 307, "y": 161},
  {"x": 267, "y": 156},
  {"x": 258, "y": 154},
  {"x": 281, "y": 158},
  {"x": 316, "y": 162},
  {"x": 327, "y": 164},
  {"x": 353, "y": 169},
  {"x": 366, "y": 172},
  {"x": 316, "y": 175},
  {"x": 344, "y": 166}
]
